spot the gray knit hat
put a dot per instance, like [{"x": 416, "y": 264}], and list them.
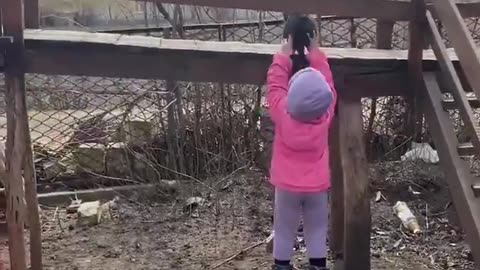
[{"x": 309, "y": 95}]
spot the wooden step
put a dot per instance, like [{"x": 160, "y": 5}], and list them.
[
  {"x": 450, "y": 104},
  {"x": 460, "y": 179},
  {"x": 476, "y": 189},
  {"x": 453, "y": 83},
  {"x": 466, "y": 149}
]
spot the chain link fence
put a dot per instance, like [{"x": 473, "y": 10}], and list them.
[{"x": 117, "y": 130}]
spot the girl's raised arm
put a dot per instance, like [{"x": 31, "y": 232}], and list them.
[{"x": 277, "y": 81}]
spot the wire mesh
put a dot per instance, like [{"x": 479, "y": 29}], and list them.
[{"x": 149, "y": 123}]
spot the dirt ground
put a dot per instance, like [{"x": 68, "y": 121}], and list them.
[{"x": 155, "y": 231}]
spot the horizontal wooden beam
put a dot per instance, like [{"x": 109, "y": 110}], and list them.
[
  {"x": 356, "y": 8},
  {"x": 380, "y": 9},
  {"x": 53, "y": 52},
  {"x": 113, "y": 55},
  {"x": 203, "y": 26}
]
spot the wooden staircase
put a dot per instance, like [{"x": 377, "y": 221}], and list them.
[{"x": 464, "y": 185}]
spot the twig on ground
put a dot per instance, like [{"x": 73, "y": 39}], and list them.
[
  {"x": 55, "y": 214},
  {"x": 427, "y": 226},
  {"x": 239, "y": 253},
  {"x": 60, "y": 223}
]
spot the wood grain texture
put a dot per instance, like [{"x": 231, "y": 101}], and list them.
[
  {"x": 460, "y": 180},
  {"x": 384, "y": 31},
  {"x": 13, "y": 26},
  {"x": 453, "y": 83},
  {"x": 462, "y": 41},
  {"x": 19, "y": 153},
  {"x": 356, "y": 192},
  {"x": 71, "y": 53},
  {"x": 337, "y": 209},
  {"x": 32, "y": 14},
  {"x": 380, "y": 9}
]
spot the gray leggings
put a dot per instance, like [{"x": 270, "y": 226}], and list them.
[{"x": 289, "y": 207}]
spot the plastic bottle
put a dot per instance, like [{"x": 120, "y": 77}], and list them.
[{"x": 409, "y": 221}]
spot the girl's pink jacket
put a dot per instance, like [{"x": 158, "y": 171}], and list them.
[{"x": 300, "y": 158}]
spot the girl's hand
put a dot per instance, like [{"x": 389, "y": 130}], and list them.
[{"x": 287, "y": 47}]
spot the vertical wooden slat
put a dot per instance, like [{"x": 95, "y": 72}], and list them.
[
  {"x": 384, "y": 34},
  {"x": 356, "y": 192},
  {"x": 15, "y": 148},
  {"x": 417, "y": 27},
  {"x": 337, "y": 209},
  {"x": 19, "y": 152},
  {"x": 32, "y": 14}
]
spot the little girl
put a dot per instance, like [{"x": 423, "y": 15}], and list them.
[{"x": 301, "y": 100}]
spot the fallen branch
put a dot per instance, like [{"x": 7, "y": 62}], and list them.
[{"x": 241, "y": 252}]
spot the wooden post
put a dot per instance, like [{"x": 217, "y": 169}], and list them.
[
  {"x": 337, "y": 210},
  {"x": 13, "y": 26},
  {"x": 384, "y": 34},
  {"x": 356, "y": 192},
  {"x": 417, "y": 28},
  {"x": 32, "y": 14},
  {"x": 19, "y": 151}
]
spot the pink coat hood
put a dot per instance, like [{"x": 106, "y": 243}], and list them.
[{"x": 300, "y": 158}]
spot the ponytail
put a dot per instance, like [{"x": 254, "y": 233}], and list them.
[
  {"x": 301, "y": 28},
  {"x": 299, "y": 62}
]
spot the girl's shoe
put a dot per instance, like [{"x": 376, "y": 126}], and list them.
[{"x": 282, "y": 267}]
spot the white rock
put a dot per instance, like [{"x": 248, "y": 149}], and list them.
[{"x": 89, "y": 213}]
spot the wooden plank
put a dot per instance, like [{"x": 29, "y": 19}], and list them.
[
  {"x": 15, "y": 147},
  {"x": 376, "y": 84},
  {"x": 384, "y": 30},
  {"x": 337, "y": 210},
  {"x": 415, "y": 68},
  {"x": 462, "y": 41},
  {"x": 456, "y": 171},
  {"x": 466, "y": 149},
  {"x": 468, "y": 8},
  {"x": 380, "y": 9},
  {"x": 83, "y": 41},
  {"x": 356, "y": 183},
  {"x": 19, "y": 152},
  {"x": 358, "y": 8},
  {"x": 71, "y": 53},
  {"x": 476, "y": 188},
  {"x": 202, "y": 26},
  {"x": 32, "y": 14},
  {"x": 36, "y": 39},
  {"x": 65, "y": 197}
]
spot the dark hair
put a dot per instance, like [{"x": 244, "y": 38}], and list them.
[{"x": 301, "y": 28}]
